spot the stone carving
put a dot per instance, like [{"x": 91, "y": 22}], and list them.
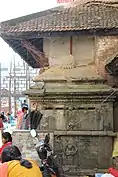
[
  {"x": 59, "y": 149},
  {"x": 82, "y": 152},
  {"x": 71, "y": 151},
  {"x": 85, "y": 119}
]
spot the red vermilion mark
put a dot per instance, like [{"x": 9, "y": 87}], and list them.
[
  {"x": 71, "y": 45},
  {"x": 64, "y": 1}
]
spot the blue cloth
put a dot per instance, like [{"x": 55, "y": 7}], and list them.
[{"x": 99, "y": 174}]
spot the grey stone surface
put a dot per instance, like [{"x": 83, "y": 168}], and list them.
[{"x": 26, "y": 143}]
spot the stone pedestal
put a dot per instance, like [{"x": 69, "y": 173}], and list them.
[{"x": 80, "y": 113}]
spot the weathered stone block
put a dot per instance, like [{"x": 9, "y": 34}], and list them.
[
  {"x": 26, "y": 143},
  {"x": 83, "y": 153}
]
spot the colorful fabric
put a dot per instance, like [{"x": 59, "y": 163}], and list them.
[
  {"x": 19, "y": 120},
  {"x": 10, "y": 118},
  {"x": 4, "y": 146},
  {"x": 1, "y": 124},
  {"x": 4, "y": 170},
  {"x": 16, "y": 170},
  {"x": 115, "y": 149},
  {"x": 113, "y": 172}
]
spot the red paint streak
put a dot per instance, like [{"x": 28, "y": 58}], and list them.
[
  {"x": 64, "y": 1},
  {"x": 71, "y": 45}
]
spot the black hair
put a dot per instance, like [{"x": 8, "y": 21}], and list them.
[
  {"x": 2, "y": 116},
  {"x": 24, "y": 108},
  {"x": 7, "y": 136},
  {"x": 13, "y": 153}
]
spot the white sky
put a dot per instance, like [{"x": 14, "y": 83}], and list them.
[{"x": 13, "y": 8}]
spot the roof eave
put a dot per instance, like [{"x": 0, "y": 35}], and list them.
[
  {"x": 32, "y": 63},
  {"x": 43, "y": 34}
]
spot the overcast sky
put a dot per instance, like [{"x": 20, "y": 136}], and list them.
[{"x": 13, "y": 8}]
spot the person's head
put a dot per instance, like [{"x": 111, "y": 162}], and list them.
[
  {"x": 1, "y": 116},
  {"x": 3, "y": 113},
  {"x": 8, "y": 114},
  {"x": 6, "y": 137},
  {"x": 13, "y": 153},
  {"x": 24, "y": 109}
]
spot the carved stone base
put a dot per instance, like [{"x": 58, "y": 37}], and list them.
[{"x": 81, "y": 116}]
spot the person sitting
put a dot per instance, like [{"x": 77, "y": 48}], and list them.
[
  {"x": 6, "y": 141},
  {"x": 15, "y": 166}
]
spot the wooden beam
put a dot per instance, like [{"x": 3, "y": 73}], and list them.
[
  {"x": 36, "y": 53},
  {"x": 33, "y": 64}
]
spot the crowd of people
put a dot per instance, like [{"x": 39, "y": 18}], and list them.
[
  {"x": 11, "y": 162},
  {"x": 8, "y": 118},
  {"x": 20, "y": 121}
]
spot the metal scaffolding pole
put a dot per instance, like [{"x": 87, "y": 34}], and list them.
[
  {"x": 14, "y": 87},
  {"x": 0, "y": 88},
  {"x": 10, "y": 78}
]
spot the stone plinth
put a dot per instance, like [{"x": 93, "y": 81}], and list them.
[{"x": 81, "y": 116}]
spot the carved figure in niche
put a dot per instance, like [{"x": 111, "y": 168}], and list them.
[
  {"x": 70, "y": 152},
  {"x": 59, "y": 150}
]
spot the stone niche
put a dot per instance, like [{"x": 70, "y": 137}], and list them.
[{"x": 81, "y": 118}]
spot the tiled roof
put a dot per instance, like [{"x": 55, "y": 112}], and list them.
[{"x": 91, "y": 15}]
